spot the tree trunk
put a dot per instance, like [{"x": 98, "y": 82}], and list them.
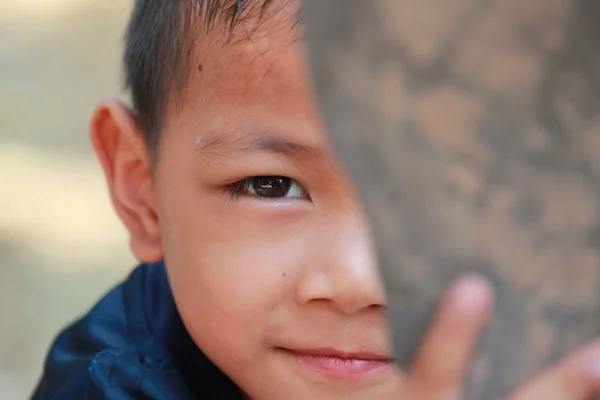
[{"x": 472, "y": 131}]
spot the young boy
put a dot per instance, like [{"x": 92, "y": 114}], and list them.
[{"x": 269, "y": 288}]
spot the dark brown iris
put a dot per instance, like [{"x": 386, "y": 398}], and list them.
[{"x": 271, "y": 186}]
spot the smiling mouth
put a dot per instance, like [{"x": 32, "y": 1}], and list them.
[{"x": 338, "y": 364}]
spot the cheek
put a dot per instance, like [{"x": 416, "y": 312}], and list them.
[
  {"x": 228, "y": 275},
  {"x": 228, "y": 293}
]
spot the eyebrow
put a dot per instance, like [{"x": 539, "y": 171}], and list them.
[{"x": 216, "y": 144}]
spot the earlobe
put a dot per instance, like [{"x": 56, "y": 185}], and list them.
[{"x": 123, "y": 154}]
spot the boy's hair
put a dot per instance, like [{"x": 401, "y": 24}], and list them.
[{"x": 159, "y": 45}]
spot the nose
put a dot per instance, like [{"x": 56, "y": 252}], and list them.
[{"x": 342, "y": 272}]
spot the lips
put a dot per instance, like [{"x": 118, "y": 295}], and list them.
[{"x": 339, "y": 364}]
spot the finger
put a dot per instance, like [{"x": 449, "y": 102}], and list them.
[
  {"x": 438, "y": 370},
  {"x": 575, "y": 378}
]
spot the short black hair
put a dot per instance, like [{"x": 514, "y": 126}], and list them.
[{"x": 158, "y": 47}]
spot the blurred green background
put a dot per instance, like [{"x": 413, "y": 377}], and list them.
[{"x": 61, "y": 245}]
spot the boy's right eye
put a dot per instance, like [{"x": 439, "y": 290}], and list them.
[{"x": 268, "y": 187}]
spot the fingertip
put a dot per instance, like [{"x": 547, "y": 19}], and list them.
[
  {"x": 588, "y": 360},
  {"x": 471, "y": 293},
  {"x": 447, "y": 347}
]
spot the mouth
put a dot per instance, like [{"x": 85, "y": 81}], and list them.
[{"x": 338, "y": 364}]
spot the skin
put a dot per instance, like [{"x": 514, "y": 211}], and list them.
[{"x": 254, "y": 277}]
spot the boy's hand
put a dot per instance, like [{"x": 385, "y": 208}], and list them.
[{"x": 440, "y": 365}]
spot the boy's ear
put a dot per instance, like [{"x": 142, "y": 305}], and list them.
[{"x": 123, "y": 153}]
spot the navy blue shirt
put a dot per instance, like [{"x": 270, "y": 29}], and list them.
[{"x": 132, "y": 345}]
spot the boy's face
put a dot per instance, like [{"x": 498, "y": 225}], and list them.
[{"x": 267, "y": 249}]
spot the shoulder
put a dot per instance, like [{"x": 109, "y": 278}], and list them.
[{"x": 111, "y": 353}]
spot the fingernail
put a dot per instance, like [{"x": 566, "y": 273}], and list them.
[{"x": 471, "y": 292}]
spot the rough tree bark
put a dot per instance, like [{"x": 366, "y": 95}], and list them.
[{"x": 472, "y": 131}]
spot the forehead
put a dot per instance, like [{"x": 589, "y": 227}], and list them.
[
  {"x": 261, "y": 63},
  {"x": 252, "y": 91},
  {"x": 250, "y": 83}
]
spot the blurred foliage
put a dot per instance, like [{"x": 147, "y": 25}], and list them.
[{"x": 61, "y": 245}]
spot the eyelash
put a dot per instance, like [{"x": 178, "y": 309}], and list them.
[{"x": 241, "y": 188}]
